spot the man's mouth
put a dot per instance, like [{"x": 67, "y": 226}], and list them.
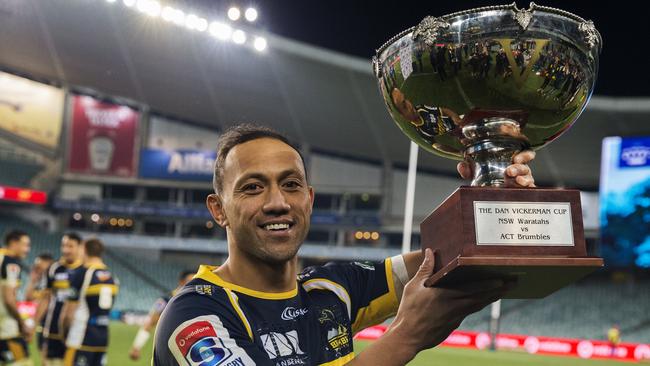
[{"x": 277, "y": 226}]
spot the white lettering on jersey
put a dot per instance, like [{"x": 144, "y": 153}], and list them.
[
  {"x": 281, "y": 344},
  {"x": 204, "y": 341},
  {"x": 290, "y": 313}
]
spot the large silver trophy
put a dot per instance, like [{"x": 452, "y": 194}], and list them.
[{"x": 482, "y": 85}]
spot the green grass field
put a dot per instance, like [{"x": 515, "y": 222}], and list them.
[{"x": 122, "y": 336}]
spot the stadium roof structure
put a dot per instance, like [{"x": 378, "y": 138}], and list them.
[{"x": 322, "y": 99}]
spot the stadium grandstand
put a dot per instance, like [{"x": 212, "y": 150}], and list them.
[{"x": 112, "y": 110}]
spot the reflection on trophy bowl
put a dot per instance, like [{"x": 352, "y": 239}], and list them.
[{"x": 486, "y": 83}]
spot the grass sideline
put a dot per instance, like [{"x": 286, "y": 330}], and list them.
[{"x": 122, "y": 335}]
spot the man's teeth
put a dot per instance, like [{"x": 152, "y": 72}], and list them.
[{"x": 276, "y": 226}]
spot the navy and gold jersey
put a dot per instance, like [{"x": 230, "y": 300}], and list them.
[
  {"x": 213, "y": 322},
  {"x": 10, "y": 272},
  {"x": 95, "y": 289},
  {"x": 58, "y": 282},
  {"x": 433, "y": 121}
]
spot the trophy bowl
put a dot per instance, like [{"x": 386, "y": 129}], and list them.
[{"x": 486, "y": 83}]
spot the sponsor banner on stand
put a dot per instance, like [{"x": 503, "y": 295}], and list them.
[{"x": 587, "y": 349}]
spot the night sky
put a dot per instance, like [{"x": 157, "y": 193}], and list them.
[{"x": 357, "y": 28}]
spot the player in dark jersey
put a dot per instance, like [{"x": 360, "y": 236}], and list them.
[
  {"x": 150, "y": 323},
  {"x": 14, "y": 332},
  {"x": 86, "y": 311},
  {"x": 36, "y": 289},
  {"x": 256, "y": 310},
  {"x": 56, "y": 291}
]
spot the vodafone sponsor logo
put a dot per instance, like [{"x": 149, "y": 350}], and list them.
[
  {"x": 483, "y": 340},
  {"x": 290, "y": 313},
  {"x": 642, "y": 352},
  {"x": 186, "y": 338}
]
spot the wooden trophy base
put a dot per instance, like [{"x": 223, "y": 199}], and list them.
[{"x": 532, "y": 236}]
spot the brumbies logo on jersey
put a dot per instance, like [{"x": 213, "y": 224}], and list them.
[{"x": 203, "y": 341}]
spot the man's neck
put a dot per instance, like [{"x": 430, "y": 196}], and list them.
[
  {"x": 93, "y": 261},
  {"x": 240, "y": 269},
  {"x": 10, "y": 252}
]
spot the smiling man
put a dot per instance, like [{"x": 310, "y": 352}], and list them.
[{"x": 255, "y": 309}]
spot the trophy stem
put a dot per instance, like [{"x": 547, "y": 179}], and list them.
[{"x": 491, "y": 144}]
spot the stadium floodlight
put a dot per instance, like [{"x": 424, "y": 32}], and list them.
[
  {"x": 94, "y": 217},
  {"x": 77, "y": 216},
  {"x": 220, "y": 30},
  {"x": 239, "y": 36},
  {"x": 110, "y": 1},
  {"x": 149, "y": 7},
  {"x": 194, "y": 22},
  {"x": 250, "y": 14},
  {"x": 171, "y": 15},
  {"x": 259, "y": 43},
  {"x": 234, "y": 13},
  {"x": 129, "y": 3}
]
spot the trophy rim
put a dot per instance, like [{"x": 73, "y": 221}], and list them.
[{"x": 511, "y": 6}]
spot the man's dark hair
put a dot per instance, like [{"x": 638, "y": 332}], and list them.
[
  {"x": 94, "y": 247},
  {"x": 45, "y": 257},
  {"x": 240, "y": 134},
  {"x": 14, "y": 235},
  {"x": 73, "y": 236},
  {"x": 185, "y": 273}
]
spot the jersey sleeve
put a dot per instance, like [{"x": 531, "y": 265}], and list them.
[
  {"x": 197, "y": 329},
  {"x": 10, "y": 273},
  {"x": 76, "y": 282},
  {"x": 367, "y": 288},
  {"x": 49, "y": 276}
]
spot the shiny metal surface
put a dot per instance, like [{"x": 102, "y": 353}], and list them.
[{"x": 485, "y": 83}]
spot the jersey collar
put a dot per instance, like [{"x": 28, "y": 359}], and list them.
[{"x": 205, "y": 273}]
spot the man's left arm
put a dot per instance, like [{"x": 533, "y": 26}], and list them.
[{"x": 518, "y": 175}]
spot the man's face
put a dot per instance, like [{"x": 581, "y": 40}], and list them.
[
  {"x": 403, "y": 105},
  {"x": 265, "y": 204},
  {"x": 69, "y": 249},
  {"x": 22, "y": 247},
  {"x": 41, "y": 265}
]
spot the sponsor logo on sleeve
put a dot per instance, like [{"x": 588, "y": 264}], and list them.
[
  {"x": 13, "y": 273},
  {"x": 103, "y": 275},
  {"x": 204, "y": 341}
]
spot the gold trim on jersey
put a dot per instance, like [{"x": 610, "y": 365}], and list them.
[
  {"x": 380, "y": 308},
  {"x": 234, "y": 301},
  {"x": 61, "y": 284},
  {"x": 339, "y": 361},
  {"x": 95, "y": 289},
  {"x": 96, "y": 266},
  {"x": 74, "y": 265},
  {"x": 205, "y": 273}
]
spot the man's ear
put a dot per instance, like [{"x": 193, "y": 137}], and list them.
[
  {"x": 215, "y": 206},
  {"x": 311, "y": 197}
]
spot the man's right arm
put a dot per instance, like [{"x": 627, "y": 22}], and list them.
[{"x": 426, "y": 316}]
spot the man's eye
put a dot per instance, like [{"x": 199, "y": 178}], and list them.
[
  {"x": 292, "y": 184},
  {"x": 251, "y": 187}
]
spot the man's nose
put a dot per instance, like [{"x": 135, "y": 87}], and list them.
[{"x": 276, "y": 201}]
